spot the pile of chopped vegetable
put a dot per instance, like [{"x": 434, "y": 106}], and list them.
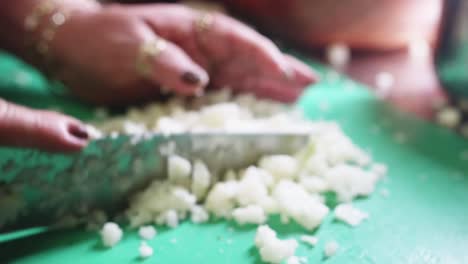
[{"x": 291, "y": 186}]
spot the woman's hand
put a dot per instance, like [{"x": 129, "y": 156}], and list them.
[
  {"x": 23, "y": 127},
  {"x": 98, "y": 52}
]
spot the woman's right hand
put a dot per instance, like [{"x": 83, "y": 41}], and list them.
[
  {"x": 46, "y": 130},
  {"x": 97, "y": 53}
]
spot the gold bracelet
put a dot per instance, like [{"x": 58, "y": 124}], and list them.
[
  {"x": 32, "y": 21},
  {"x": 56, "y": 18}
]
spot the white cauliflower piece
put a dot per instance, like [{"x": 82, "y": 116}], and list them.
[
  {"x": 147, "y": 232},
  {"x": 272, "y": 249},
  {"x": 294, "y": 202},
  {"x": 350, "y": 181},
  {"x": 251, "y": 214},
  {"x": 252, "y": 190},
  {"x": 145, "y": 250},
  {"x": 111, "y": 234},
  {"x": 331, "y": 248},
  {"x": 349, "y": 214},
  {"x": 179, "y": 169},
  {"x": 280, "y": 166},
  {"x": 198, "y": 214},
  {"x": 200, "y": 179},
  {"x": 221, "y": 200}
]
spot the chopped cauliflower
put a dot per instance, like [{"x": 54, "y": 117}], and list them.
[
  {"x": 147, "y": 232},
  {"x": 145, "y": 250},
  {"x": 201, "y": 179},
  {"x": 289, "y": 185},
  {"x": 179, "y": 169},
  {"x": 272, "y": 249},
  {"x": 251, "y": 214},
  {"x": 349, "y": 214},
  {"x": 111, "y": 234},
  {"x": 221, "y": 200},
  {"x": 331, "y": 248},
  {"x": 295, "y": 202},
  {"x": 349, "y": 181},
  {"x": 280, "y": 166},
  {"x": 198, "y": 214}
]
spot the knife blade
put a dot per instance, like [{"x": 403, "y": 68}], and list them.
[{"x": 39, "y": 188}]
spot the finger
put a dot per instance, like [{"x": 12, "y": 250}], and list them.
[
  {"x": 302, "y": 73},
  {"x": 273, "y": 89},
  {"x": 174, "y": 69},
  {"x": 243, "y": 40},
  {"x": 23, "y": 127}
]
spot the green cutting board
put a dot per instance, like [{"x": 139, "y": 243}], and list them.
[{"x": 423, "y": 219}]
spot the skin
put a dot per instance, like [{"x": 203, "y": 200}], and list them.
[
  {"x": 362, "y": 24},
  {"x": 101, "y": 69}
]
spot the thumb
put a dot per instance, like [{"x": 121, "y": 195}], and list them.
[{"x": 46, "y": 130}]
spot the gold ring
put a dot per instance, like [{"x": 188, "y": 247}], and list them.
[
  {"x": 148, "y": 52},
  {"x": 204, "y": 22}
]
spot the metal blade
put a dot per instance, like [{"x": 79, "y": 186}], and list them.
[{"x": 38, "y": 188}]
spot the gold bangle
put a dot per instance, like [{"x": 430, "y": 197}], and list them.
[
  {"x": 56, "y": 19},
  {"x": 32, "y": 21}
]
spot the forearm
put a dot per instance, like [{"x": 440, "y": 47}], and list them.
[{"x": 14, "y": 35}]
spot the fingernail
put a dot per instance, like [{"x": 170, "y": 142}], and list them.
[
  {"x": 191, "y": 78},
  {"x": 79, "y": 132}
]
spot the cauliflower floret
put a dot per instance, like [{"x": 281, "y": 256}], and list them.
[
  {"x": 251, "y": 214},
  {"x": 280, "y": 166},
  {"x": 350, "y": 181},
  {"x": 179, "y": 169},
  {"x": 294, "y": 201},
  {"x": 221, "y": 200},
  {"x": 111, "y": 234},
  {"x": 145, "y": 250},
  {"x": 272, "y": 249},
  {"x": 201, "y": 179},
  {"x": 147, "y": 232},
  {"x": 349, "y": 214},
  {"x": 198, "y": 214}
]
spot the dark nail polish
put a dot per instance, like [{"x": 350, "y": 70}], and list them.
[
  {"x": 79, "y": 132},
  {"x": 191, "y": 78}
]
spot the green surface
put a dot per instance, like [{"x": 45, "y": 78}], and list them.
[{"x": 423, "y": 220}]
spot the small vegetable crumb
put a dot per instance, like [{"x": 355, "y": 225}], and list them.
[
  {"x": 349, "y": 214},
  {"x": 147, "y": 232},
  {"x": 449, "y": 117},
  {"x": 111, "y": 234},
  {"x": 172, "y": 220},
  {"x": 251, "y": 214},
  {"x": 338, "y": 55},
  {"x": 331, "y": 248},
  {"x": 293, "y": 260},
  {"x": 145, "y": 250}
]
